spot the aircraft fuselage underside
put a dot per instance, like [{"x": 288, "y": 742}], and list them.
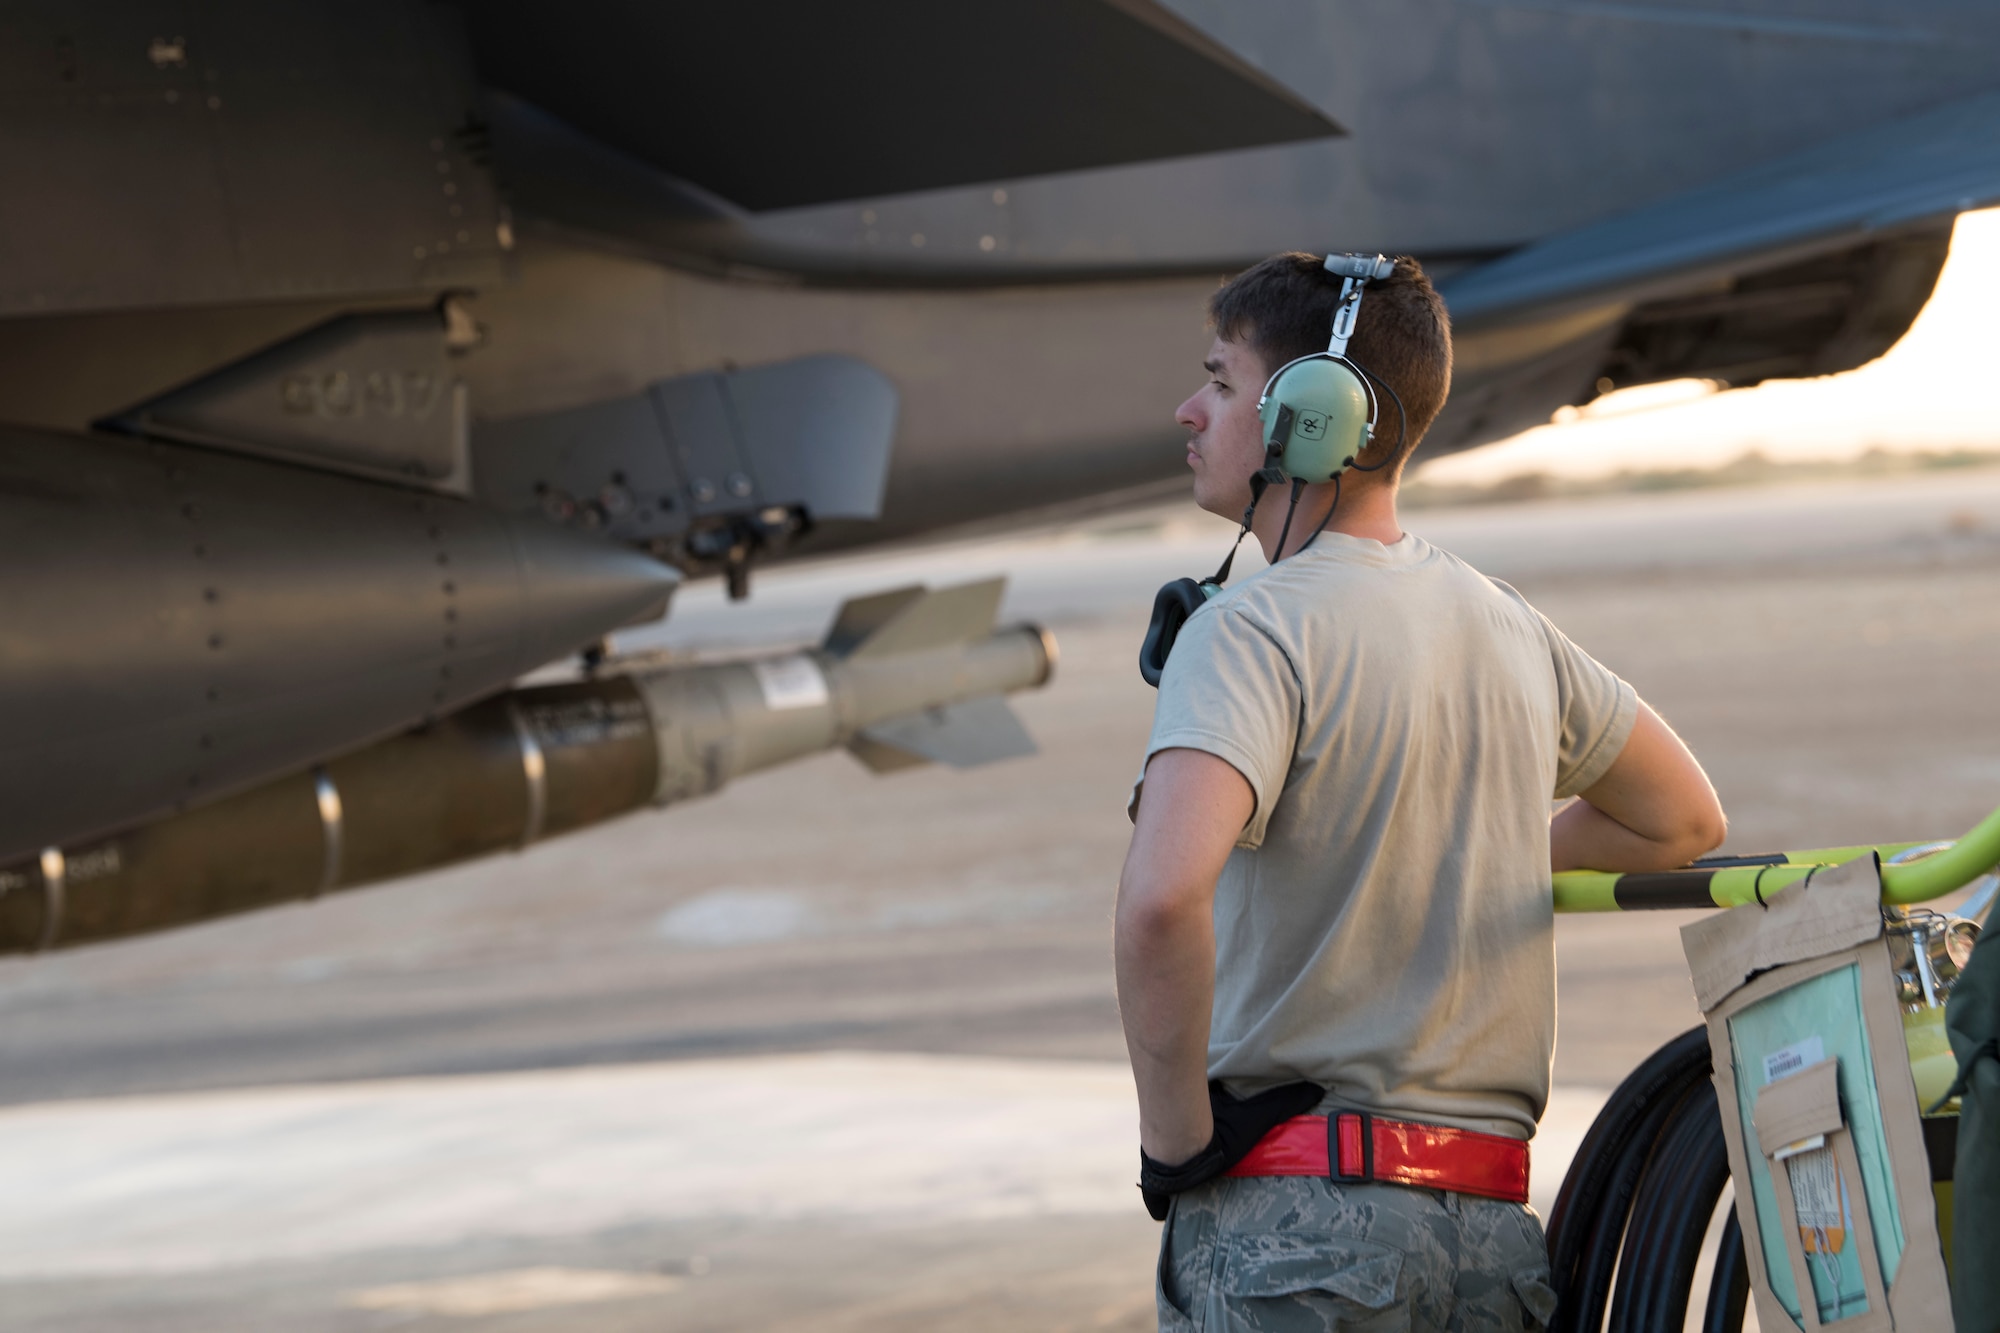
[{"x": 356, "y": 359}]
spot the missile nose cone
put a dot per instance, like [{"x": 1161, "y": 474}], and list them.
[{"x": 574, "y": 585}]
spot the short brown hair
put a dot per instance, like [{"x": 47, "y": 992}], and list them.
[{"x": 1283, "y": 309}]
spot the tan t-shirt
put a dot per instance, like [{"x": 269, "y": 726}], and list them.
[{"x": 1384, "y": 927}]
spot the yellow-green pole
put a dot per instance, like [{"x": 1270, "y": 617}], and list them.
[{"x": 1733, "y": 883}]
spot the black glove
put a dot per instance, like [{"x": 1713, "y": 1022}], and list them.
[{"x": 1239, "y": 1123}]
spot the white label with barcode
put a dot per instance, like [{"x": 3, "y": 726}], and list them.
[{"x": 1791, "y": 1059}]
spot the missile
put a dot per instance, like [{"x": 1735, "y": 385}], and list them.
[
  {"x": 182, "y": 623},
  {"x": 902, "y": 678}
]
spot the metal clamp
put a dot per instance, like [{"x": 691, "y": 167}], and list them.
[
  {"x": 1354, "y": 272},
  {"x": 55, "y": 878},
  {"x": 1367, "y": 268},
  {"x": 332, "y": 826},
  {"x": 535, "y": 769},
  {"x": 1344, "y": 316}
]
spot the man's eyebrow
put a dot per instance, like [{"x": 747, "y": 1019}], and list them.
[{"x": 1212, "y": 366}]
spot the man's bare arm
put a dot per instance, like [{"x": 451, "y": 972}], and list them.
[
  {"x": 1652, "y": 810},
  {"x": 1191, "y": 812}
]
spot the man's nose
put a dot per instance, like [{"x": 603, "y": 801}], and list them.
[{"x": 1189, "y": 414}]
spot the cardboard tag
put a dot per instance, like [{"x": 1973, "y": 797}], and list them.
[
  {"x": 1834, "y": 909},
  {"x": 1820, "y": 1197}
]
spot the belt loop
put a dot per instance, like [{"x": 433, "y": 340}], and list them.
[{"x": 1351, "y": 1144}]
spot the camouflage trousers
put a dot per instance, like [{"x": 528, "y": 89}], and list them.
[{"x": 1288, "y": 1254}]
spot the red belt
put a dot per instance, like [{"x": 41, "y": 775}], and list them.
[{"x": 1355, "y": 1146}]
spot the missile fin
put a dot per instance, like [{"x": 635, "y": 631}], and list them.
[
  {"x": 965, "y": 735},
  {"x": 860, "y": 617},
  {"x": 882, "y": 758},
  {"x": 934, "y": 619}
]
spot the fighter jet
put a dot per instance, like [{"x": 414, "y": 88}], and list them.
[{"x": 357, "y": 359}]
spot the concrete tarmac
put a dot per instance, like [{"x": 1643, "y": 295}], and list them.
[{"x": 836, "y": 1051}]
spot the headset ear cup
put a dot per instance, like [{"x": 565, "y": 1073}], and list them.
[
  {"x": 1317, "y": 413},
  {"x": 1171, "y": 608}
]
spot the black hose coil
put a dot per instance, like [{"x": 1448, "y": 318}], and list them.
[{"x": 1637, "y": 1202}]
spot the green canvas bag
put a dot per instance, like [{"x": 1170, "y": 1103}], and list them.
[{"x": 1972, "y": 1020}]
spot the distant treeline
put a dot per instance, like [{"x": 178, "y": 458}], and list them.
[{"x": 1748, "y": 469}]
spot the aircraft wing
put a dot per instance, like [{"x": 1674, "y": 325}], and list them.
[
  {"x": 1810, "y": 265},
  {"x": 781, "y": 103},
  {"x": 1839, "y": 194}
]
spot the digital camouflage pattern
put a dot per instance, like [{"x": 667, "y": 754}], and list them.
[{"x": 1300, "y": 1254}]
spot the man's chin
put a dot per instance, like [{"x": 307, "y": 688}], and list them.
[{"x": 1229, "y": 507}]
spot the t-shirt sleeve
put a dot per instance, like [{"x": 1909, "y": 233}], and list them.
[
  {"x": 1597, "y": 710},
  {"x": 1229, "y": 690}
]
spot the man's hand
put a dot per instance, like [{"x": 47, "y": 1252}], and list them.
[
  {"x": 1652, "y": 810},
  {"x": 1239, "y": 1123},
  {"x": 1193, "y": 808}
]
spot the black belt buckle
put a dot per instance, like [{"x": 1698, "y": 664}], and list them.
[{"x": 1367, "y": 1123}]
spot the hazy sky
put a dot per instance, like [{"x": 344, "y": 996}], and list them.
[{"x": 1939, "y": 388}]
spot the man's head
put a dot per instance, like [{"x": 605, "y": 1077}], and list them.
[{"x": 1282, "y": 309}]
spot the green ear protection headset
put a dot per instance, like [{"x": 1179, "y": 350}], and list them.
[{"x": 1317, "y": 413}]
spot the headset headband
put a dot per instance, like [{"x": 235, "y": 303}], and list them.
[{"x": 1354, "y": 272}]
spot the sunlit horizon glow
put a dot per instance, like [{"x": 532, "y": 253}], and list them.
[{"x": 1931, "y": 391}]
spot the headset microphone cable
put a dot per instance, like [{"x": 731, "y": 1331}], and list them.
[
  {"x": 1402, "y": 433},
  {"x": 1291, "y": 510},
  {"x": 1402, "y": 418}
]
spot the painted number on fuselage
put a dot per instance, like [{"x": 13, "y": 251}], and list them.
[{"x": 400, "y": 394}]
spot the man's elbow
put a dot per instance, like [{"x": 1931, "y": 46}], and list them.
[
  {"x": 1158, "y": 915},
  {"x": 1702, "y": 830}
]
